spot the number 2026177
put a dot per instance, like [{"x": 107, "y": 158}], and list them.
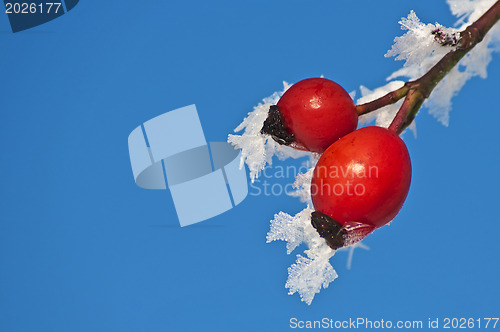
[{"x": 32, "y": 8}]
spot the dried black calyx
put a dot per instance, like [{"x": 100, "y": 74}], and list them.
[
  {"x": 275, "y": 126},
  {"x": 446, "y": 39},
  {"x": 329, "y": 229}
]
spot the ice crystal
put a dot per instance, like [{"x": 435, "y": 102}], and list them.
[
  {"x": 302, "y": 182},
  {"x": 257, "y": 149},
  {"x": 351, "y": 249},
  {"x": 309, "y": 273},
  {"x": 419, "y": 42},
  {"x": 468, "y": 10}
]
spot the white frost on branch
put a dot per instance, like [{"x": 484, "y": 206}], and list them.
[
  {"x": 418, "y": 46},
  {"x": 468, "y": 11},
  {"x": 475, "y": 63},
  {"x": 258, "y": 149},
  {"x": 421, "y": 51},
  {"x": 313, "y": 271}
]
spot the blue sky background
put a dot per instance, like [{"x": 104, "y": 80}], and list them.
[{"x": 82, "y": 248}]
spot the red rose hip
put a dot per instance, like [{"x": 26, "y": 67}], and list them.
[
  {"x": 362, "y": 179},
  {"x": 315, "y": 112}
]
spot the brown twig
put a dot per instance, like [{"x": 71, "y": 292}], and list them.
[
  {"x": 388, "y": 99},
  {"x": 407, "y": 111},
  {"x": 419, "y": 90}
]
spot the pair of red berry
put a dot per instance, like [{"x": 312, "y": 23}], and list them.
[{"x": 362, "y": 177}]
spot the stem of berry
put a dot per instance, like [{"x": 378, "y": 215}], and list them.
[
  {"x": 388, "y": 99},
  {"x": 419, "y": 90},
  {"x": 408, "y": 111}
]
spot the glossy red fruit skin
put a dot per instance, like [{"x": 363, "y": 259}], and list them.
[
  {"x": 318, "y": 112},
  {"x": 375, "y": 164}
]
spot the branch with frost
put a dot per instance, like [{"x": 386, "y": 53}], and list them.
[{"x": 415, "y": 92}]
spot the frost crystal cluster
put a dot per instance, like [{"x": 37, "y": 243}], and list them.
[
  {"x": 421, "y": 47},
  {"x": 310, "y": 272},
  {"x": 257, "y": 150}
]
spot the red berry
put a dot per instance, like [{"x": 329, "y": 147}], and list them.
[
  {"x": 318, "y": 112},
  {"x": 363, "y": 178}
]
